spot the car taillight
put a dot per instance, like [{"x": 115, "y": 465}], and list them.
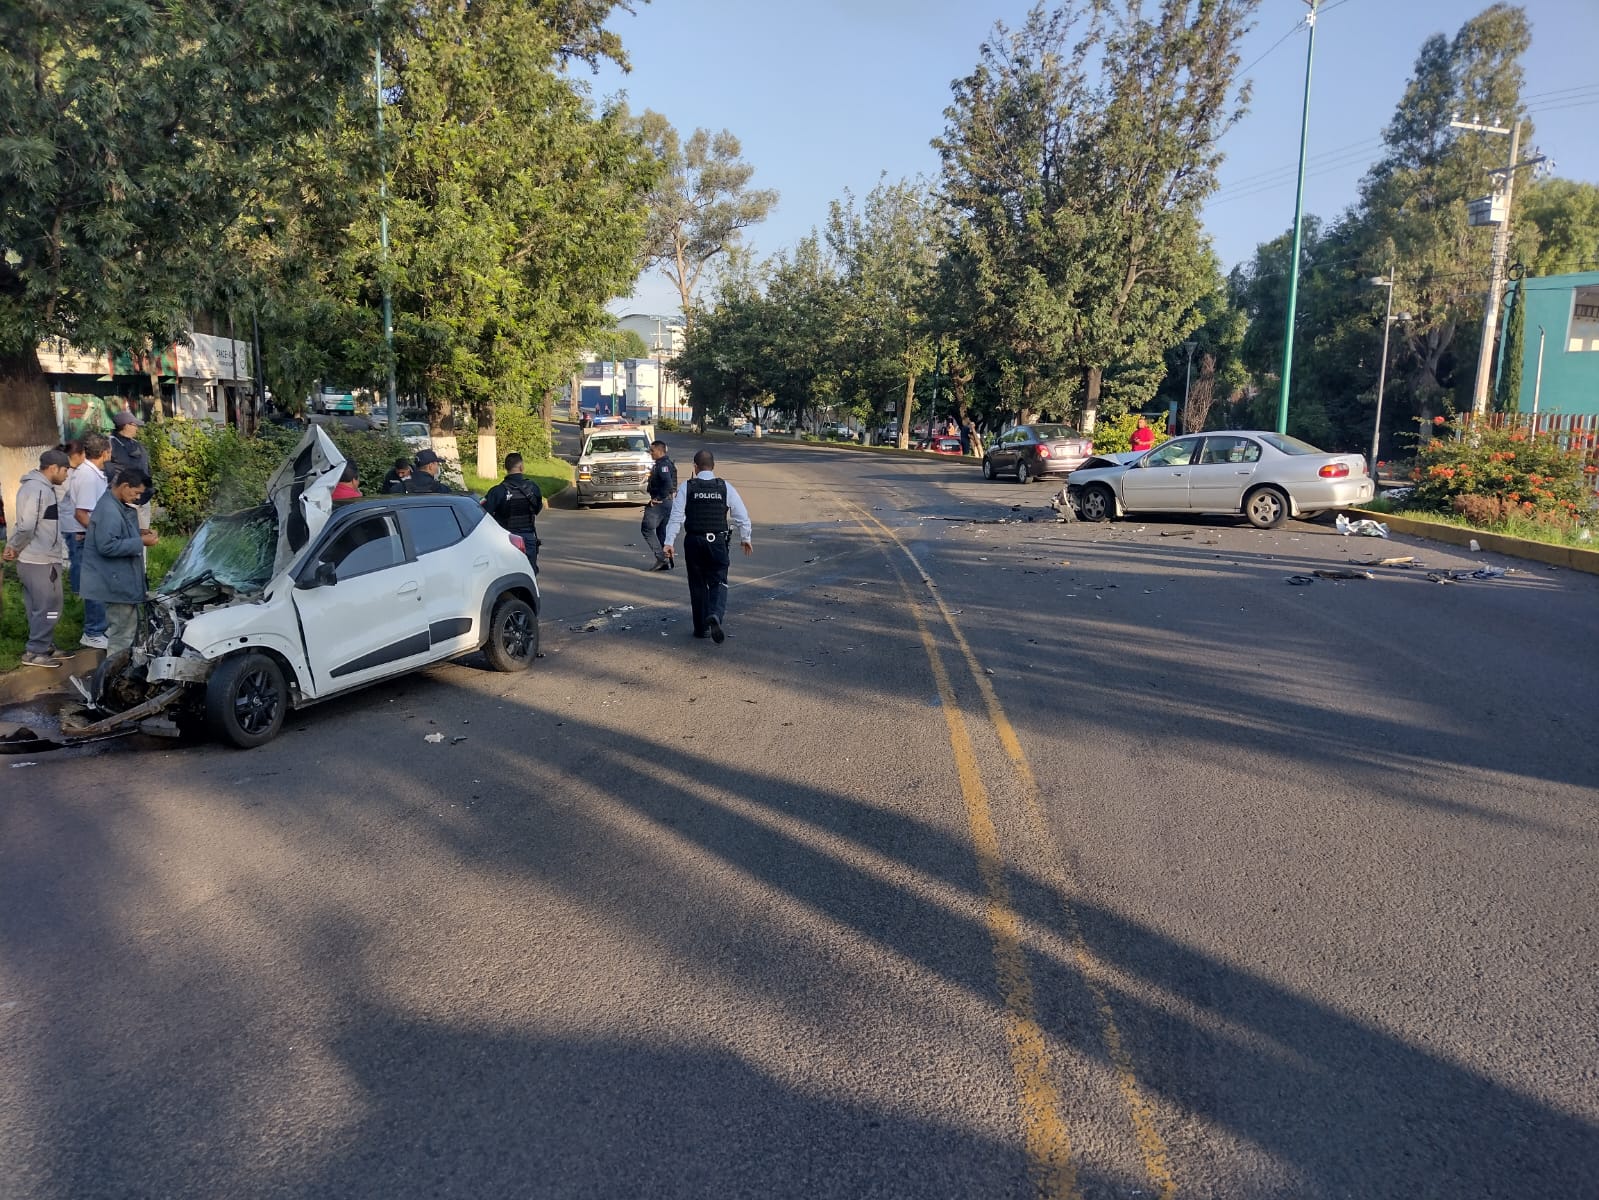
[
  {"x": 517, "y": 542},
  {"x": 1043, "y": 452},
  {"x": 1334, "y": 471}
]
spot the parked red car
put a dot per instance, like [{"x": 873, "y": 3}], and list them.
[{"x": 942, "y": 444}]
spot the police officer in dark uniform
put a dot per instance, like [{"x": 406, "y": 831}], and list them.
[
  {"x": 662, "y": 487},
  {"x": 425, "y": 478},
  {"x": 701, "y": 510},
  {"x": 514, "y": 502}
]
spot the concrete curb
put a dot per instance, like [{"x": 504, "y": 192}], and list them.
[{"x": 1569, "y": 557}]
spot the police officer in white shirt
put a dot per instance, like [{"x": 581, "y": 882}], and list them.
[{"x": 701, "y": 510}]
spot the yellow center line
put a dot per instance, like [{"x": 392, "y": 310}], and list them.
[{"x": 1152, "y": 1146}]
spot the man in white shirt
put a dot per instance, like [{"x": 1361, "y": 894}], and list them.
[
  {"x": 701, "y": 511},
  {"x": 85, "y": 486}
]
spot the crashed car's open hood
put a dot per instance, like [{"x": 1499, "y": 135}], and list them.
[{"x": 302, "y": 492}]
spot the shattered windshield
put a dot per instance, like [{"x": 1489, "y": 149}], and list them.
[{"x": 235, "y": 550}]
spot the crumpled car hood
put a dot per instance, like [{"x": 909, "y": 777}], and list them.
[{"x": 302, "y": 491}]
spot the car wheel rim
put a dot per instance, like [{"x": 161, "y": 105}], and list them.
[
  {"x": 517, "y": 634},
  {"x": 1094, "y": 505},
  {"x": 1266, "y": 507},
  {"x": 255, "y": 705}
]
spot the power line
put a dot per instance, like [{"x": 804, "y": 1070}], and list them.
[
  {"x": 1298, "y": 25},
  {"x": 1581, "y": 87},
  {"x": 1336, "y": 152},
  {"x": 1260, "y": 189},
  {"x": 1561, "y": 107}
]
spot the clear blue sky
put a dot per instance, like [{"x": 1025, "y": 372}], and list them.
[{"x": 828, "y": 94}]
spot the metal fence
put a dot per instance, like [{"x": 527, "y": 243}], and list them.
[{"x": 1577, "y": 432}]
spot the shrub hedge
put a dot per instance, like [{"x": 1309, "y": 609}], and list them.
[
  {"x": 201, "y": 468},
  {"x": 1491, "y": 474}
]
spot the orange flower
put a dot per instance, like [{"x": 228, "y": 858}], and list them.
[
  {"x": 1514, "y": 496},
  {"x": 1437, "y": 420}
]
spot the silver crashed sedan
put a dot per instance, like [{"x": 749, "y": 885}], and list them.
[{"x": 1266, "y": 476}]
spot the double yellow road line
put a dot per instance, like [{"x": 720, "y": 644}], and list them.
[{"x": 1048, "y": 1141}]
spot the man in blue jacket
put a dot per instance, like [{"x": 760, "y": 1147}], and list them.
[{"x": 113, "y": 557}]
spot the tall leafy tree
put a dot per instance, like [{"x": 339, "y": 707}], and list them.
[
  {"x": 1077, "y": 198},
  {"x": 1413, "y": 201},
  {"x": 888, "y": 252},
  {"x": 515, "y": 210},
  {"x": 131, "y": 136},
  {"x": 699, "y": 208}
]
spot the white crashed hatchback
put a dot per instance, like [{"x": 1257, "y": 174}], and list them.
[
  {"x": 300, "y": 599},
  {"x": 1267, "y": 477}
]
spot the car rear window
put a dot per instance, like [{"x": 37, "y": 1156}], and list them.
[
  {"x": 431, "y": 528},
  {"x": 1053, "y": 432},
  {"x": 1289, "y": 445}
]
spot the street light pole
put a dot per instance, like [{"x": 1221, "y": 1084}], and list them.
[
  {"x": 1188, "y": 382},
  {"x": 1382, "y": 369},
  {"x": 1299, "y": 214},
  {"x": 383, "y": 248}
]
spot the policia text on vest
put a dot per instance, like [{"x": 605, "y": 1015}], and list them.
[{"x": 702, "y": 511}]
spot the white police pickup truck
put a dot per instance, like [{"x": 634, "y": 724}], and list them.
[{"x": 614, "y": 466}]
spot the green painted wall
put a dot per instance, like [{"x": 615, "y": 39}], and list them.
[{"x": 1570, "y": 377}]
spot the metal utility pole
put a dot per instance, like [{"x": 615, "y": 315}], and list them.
[
  {"x": 1299, "y": 220},
  {"x": 1188, "y": 380},
  {"x": 383, "y": 248},
  {"x": 1382, "y": 370}
]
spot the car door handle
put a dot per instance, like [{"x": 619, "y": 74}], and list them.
[
  {"x": 1243, "y": 472},
  {"x": 407, "y": 589}
]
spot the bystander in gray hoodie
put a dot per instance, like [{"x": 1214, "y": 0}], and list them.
[{"x": 35, "y": 525}]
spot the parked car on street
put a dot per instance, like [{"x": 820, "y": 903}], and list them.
[
  {"x": 941, "y": 445},
  {"x": 1267, "y": 477},
  {"x": 283, "y": 605},
  {"x": 1031, "y": 452},
  {"x": 747, "y": 429},
  {"x": 415, "y": 434}
]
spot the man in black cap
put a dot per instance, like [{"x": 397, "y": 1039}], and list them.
[
  {"x": 425, "y": 478},
  {"x": 128, "y": 453},
  {"x": 514, "y": 502}
]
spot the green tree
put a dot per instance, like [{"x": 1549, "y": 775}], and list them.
[
  {"x": 888, "y": 254},
  {"x": 1076, "y": 236},
  {"x": 1145, "y": 159},
  {"x": 1557, "y": 228},
  {"x": 1413, "y": 201},
  {"x": 133, "y": 135}
]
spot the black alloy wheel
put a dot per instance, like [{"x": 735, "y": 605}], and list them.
[
  {"x": 513, "y": 636},
  {"x": 246, "y": 699}
]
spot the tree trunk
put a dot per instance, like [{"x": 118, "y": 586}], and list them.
[
  {"x": 488, "y": 442},
  {"x": 1091, "y": 381},
  {"x": 27, "y": 416},
  {"x": 547, "y": 415},
  {"x": 903, "y": 440}
]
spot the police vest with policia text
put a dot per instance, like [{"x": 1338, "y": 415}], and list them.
[{"x": 705, "y": 507}]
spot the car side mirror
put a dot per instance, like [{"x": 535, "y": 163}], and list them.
[{"x": 325, "y": 575}]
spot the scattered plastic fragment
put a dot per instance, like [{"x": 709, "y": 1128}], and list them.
[
  {"x": 1408, "y": 560},
  {"x": 1344, "y": 575},
  {"x": 29, "y": 763},
  {"x": 1362, "y": 528},
  {"x": 1475, "y": 548},
  {"x": 1301, "y": 580},
  {"x": 435, "y": 738}
]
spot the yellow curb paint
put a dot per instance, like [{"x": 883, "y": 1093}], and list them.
[{"x": 1157, "y": 1163}]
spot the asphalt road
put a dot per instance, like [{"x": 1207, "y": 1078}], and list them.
[{"x": 989, "y": 857}]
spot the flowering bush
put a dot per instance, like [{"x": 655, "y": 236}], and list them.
[{"x": 1494, "y": 474}]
